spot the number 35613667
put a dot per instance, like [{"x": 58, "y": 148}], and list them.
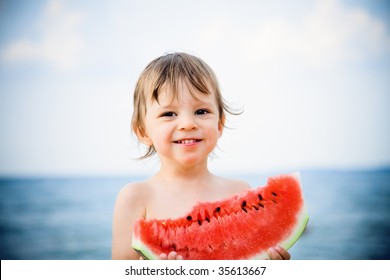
[{"x": 241, "y": 270}]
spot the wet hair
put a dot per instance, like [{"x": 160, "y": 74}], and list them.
[{"x": 166, "y": 72}]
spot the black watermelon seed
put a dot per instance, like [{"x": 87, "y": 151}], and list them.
[
  {"x": 261, "y": 205},
  {"x": 217, "y": 209},
  {"x": 243, "y": 204},
  {"x": 200, "y": 222},
  {"x": 274, "y": 194},
  {"x": 189, "y": 218},
  {"x": 244, "y": 209},
  {"x": 274, "y": 201},
  {"x": 257, "y": 208},
  {"x": 260, "y": 197},
  {"x": 208, "y": 219}
]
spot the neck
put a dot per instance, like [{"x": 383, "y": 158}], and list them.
[{"x": 169, "y": 172}]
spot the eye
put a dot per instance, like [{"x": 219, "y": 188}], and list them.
[
  {"x": 168, "y": 114},
  {"x": 202, "y": 112}
]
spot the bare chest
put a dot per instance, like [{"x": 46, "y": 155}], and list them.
[{"x": 166, "y": 204}]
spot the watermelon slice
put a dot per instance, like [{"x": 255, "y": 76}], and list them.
[{"x": 243, "y": 226}]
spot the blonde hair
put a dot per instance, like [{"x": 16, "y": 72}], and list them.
[{"x": 167, "y": 71}]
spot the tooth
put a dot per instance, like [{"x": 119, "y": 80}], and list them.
[{"x": 186, "y": 141}]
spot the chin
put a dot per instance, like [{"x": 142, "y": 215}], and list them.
[{"x": 192, "y": 161}]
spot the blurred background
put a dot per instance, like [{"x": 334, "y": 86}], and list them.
[{"x": 312, "y": 77}]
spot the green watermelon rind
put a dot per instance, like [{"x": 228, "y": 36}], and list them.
[
  {"x": 304, "y": 219},
  {"x": 143, "y": 250}
]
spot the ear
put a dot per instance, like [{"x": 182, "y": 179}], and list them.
[
  {"x": 143, "y": 137},
  {"x": 221, "y": 125}
]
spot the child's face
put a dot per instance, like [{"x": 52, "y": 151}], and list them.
[{"x": 183, "y": 130}]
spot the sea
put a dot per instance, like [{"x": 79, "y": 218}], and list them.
[{"x": 71, "y": 218}]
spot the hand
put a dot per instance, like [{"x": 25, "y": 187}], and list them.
[
  {"x": 278, "y": 253},
  {"x": 171, "y": 256}
]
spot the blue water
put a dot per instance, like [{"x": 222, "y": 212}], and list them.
[{"x": 53, "y": 218}]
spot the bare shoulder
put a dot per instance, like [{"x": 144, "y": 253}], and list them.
[
  {"x": 234, "y": 186},
  {"x": 131, "y": 201},
  {"x": 130, "y": 205},
  {"x": 239, "y": 184},
  {"x": 134, "y": 192}
]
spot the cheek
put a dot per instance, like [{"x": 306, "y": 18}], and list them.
[
  {"x": 161, "y": 132},
  {"x": 215, "y": 130}
]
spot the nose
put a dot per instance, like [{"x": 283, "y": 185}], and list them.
[{"x": 187, "y": 122}]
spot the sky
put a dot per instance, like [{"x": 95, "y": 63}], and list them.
[{"x": 311, "y": 76}]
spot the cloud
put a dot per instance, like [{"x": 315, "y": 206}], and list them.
[
  {"x": 308, "y": 84},
  {"x": 330, "y": 33},
  {"x": 60, "y": 42}
]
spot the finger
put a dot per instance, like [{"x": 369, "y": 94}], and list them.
[
  {"x": 283, "y": 253},
  {"x": 163, "y": 257},
  {"x": 172, "y": 255},
  {"x": 179, "y": 257},
  {"x": 273, "y": 254}
]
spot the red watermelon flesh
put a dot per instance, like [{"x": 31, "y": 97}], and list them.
[{"x": 243, "y": 226}]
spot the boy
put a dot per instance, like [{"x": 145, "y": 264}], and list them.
[{"x": 179, "y": 114}]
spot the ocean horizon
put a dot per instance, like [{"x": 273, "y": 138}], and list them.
[{"x": 70, "y": 218}]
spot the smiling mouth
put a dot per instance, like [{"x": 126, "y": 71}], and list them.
[{"x": 187, "y": 141}]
